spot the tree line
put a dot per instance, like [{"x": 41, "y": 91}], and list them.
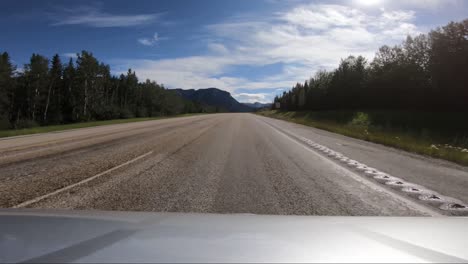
[
  {"x": 428, "y": 72},
  {"x": 49, "y": 92}
]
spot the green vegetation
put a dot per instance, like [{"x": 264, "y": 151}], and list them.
[
  {"x": 442, "y": 136},
  {"x": 44, "y": 129}
]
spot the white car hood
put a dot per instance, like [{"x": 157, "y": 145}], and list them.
[{"x": 96, "y": 236}]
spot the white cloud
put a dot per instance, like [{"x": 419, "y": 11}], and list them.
[
  {"x": 70, "y": 55},
  {"x": 425, "y": 4},
  {"x": 218, "y": 48},
  {"x": 402, "y": 29},
  {"x": 304, "y": 39},
  {"x": 252, "y": 97},
  {"x": 396, "y": 16},
  {"x": 145, "y": 41},
  {"x": 323, "y": 16},
  {"x": 303, "y": 35},
  {"x": 149, "y": 41},
  {"x": 94, "y": 17},
  {"x": 19, "y": 70}
]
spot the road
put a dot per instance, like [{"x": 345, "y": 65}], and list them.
[{"x": 224, "y": 163}]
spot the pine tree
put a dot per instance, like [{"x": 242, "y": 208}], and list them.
[
  {"x": 37, "y": 80},
  {"x": 54, "y": 92},
  {"x": 87, "y": 73},
  {"x": 69, "y": 93},
  {"x": 7, "y": 88}
]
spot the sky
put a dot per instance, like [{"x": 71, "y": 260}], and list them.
[{"x": 253, "y": 49}]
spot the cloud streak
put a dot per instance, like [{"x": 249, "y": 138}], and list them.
[{"x": 94, "y": 17}]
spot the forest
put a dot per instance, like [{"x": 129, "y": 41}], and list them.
[
  {"x": 428, "y": 72},
  {"x": 48, "y": 92},
  {"x": 412, "y": 96}
]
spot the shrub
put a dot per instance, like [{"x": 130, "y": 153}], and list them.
[{"x": 360, "y": 119}]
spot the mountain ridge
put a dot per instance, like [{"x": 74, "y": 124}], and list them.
[
  {"x": 214, "y": 97},
  {"x": 257, "y": 105}
]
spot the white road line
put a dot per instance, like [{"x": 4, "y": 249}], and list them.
[
  {"x": 37, "y": 199},
  {"x": 363, "y": 180}
]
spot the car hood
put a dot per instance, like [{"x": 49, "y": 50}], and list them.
[{"x": 96, "y": 236}]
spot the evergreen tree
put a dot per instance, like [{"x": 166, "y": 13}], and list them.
[
  {"x": 7, "y": 89},
  {"x": 52, "y": 108},
  {"x": 68, "y": 104},
  {"x": 37, "y": 82},
  {"x": 87, "y": 70}
]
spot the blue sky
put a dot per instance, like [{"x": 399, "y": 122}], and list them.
[{"x": 253, "y": 49}]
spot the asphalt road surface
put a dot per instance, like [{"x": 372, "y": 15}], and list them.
[{"x": 224, "y": 163}]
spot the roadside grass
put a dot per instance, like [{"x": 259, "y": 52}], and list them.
[
  {"x": 439, "y": 144},
  {"x": 52, "y": 128}
]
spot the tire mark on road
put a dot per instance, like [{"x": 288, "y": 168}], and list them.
[{"x": 37, "y": 199}]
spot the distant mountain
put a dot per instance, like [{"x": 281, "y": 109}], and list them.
[
  {"x": 214, "y": 97},
  {"x": 258, "y": 105}
]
